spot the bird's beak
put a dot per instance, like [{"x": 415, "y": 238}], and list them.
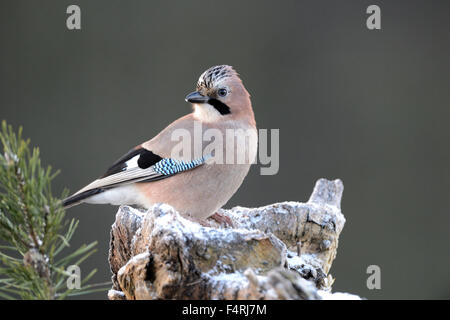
[{"x": 196, "y": 97}]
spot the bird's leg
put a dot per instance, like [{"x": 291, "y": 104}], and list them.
[{"x": 222, "y": 219}]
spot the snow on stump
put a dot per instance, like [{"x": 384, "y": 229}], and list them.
[{"x": 280, "y": 251}]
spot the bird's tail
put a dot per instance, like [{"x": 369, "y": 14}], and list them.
[{"x": 78, "y": 198}]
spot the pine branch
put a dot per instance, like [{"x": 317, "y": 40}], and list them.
[{"x": 33, "y": 227}]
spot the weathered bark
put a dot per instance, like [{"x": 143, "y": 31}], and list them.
[{"x": 280, "y": 251}]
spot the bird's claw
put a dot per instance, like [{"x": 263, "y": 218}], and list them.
[{"x": 222, "y": 219}]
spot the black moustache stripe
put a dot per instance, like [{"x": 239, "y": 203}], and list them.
[{"x": 219, "y": 106}]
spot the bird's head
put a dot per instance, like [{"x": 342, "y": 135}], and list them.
[{"x": 220, "y": 94}]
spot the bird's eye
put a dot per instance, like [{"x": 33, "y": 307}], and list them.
[{"x": 222, "y": 92}]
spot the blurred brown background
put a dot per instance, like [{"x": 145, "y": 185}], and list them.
[{"x": 369, "y": 107}]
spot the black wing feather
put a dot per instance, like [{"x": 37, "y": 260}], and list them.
[{"x": 146, "y": 160}]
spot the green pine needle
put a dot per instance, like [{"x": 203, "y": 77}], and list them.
[{"x": 33, "y": 227}]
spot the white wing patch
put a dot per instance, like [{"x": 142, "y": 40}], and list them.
[{"x": 133, "y": 162}]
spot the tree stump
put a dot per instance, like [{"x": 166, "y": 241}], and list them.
[{"x": 280, "y": 251}]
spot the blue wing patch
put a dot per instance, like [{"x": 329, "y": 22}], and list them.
[{"x": 169, "y": 166}]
